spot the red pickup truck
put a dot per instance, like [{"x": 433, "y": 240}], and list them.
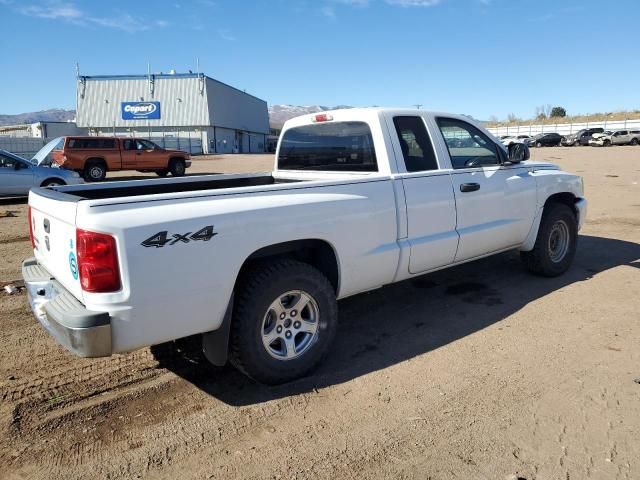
[{"x": 93, "y": 157}]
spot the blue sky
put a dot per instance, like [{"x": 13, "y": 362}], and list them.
[{"x": 478, "y": 57}]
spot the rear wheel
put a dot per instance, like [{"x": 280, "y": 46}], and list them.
[
  {"x": 555, "y": 245},
  {"x": 284, "y": 320},
  {"x": 634, "y": 141},
  {"x": 177, "y": 167},
  {"x": 162, "y": 173},
  {"x": 94, "y": 171}
]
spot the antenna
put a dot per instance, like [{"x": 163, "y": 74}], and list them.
[
  {"x": 77, "y": 70},
  {"x": 417, "y": 105}
]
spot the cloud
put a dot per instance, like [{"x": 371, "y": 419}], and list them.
[
  {"x": 226, "y": 35},
  {"x": 70, "y": 13},
  {"x": 414, "y": 3},
  {"x": 328, "y": 11}
]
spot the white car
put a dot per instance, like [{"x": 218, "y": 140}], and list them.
[
  {"x": 358, "y": 199},
  {"x": 506, "y": 141},
  {"x": 18, "y": 175},
  {"x": 616, "y": 137}
]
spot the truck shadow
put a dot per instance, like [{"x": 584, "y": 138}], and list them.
[{"x": 401, "y": 321}]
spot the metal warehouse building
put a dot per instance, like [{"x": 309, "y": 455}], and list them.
[{"x": 190, "y": 111}]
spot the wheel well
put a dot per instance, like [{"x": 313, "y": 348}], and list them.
[
  {"x": 91, "y": 160},
  {"x": 317, "y": 253},
  {"x": 569, "y": 199},
  {"x": 59, "y": 180},
  {"x": 176, "y": 158}
]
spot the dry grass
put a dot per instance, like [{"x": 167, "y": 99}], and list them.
[{"x": 591, "y": 117}]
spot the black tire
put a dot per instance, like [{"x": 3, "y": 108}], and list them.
[
  {"x": 177, "y": 167},
  {"x": 540, "y": 260},
  {"x": 53, "y": 182},
  {"x": 260, "y": 287},
  {"x": 162, "y": 173},
  {"x": 606, "y": 143},
  {"x": 94, "y": 171},
  {"x": 634, "y": 141}
]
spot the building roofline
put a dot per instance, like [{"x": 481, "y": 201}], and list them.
[{"x": 163, "y": 76}]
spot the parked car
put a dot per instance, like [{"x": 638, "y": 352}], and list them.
[
  {"x": 18, "y": 175},
  {"x": 616, "y": 137},
  {"x": 581, "y": 137},
  {"x": 506, "y": 141},
  {"x": 93, "y": 157},
  {"x": 547, "y": 140},
  {"x": 258, "y": 261}
]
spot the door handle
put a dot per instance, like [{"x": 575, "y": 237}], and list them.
[{"x": 469, "y": 187}]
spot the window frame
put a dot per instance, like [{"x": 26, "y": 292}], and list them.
[
  {"x": 430, "y": 139},
  {"x": 499, "y": 153}
]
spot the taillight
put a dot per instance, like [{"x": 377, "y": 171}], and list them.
[
  {"x": 33, "y": 241},
  {"x": 97, "y": 262}
]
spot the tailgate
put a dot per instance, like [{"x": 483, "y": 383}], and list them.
[{"x": 54, "y": 232}]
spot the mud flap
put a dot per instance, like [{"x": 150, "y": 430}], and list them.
[{"x": 215, "y": 344}]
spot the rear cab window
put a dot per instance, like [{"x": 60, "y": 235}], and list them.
[{"x": 331, "y": 146}]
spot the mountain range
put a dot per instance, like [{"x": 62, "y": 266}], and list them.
[
  {"x": 278, "y": 114},
  {"x": 51, "y": 115}
]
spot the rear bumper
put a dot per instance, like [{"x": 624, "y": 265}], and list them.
[{"x": 83, "y": 332}]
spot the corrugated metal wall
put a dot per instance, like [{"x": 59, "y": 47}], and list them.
[
  {"x": 231, "y": 108},
  {"x": 181, "y": 103}
]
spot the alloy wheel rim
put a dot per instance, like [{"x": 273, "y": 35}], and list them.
[
  {"x": 95, "y": 172},
  {"x": 290, "y": 325},
  {"x": 558, "y": 241}
]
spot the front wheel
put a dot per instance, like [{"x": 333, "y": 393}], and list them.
[
  {"x": 539, "y": 144},
  {"x": 285, "y": 317},
  {"x": 556, "y": 242},
  {"x": 634, "y": 141}
]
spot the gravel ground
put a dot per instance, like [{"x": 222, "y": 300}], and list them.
[{"x": 480, "y": 371}]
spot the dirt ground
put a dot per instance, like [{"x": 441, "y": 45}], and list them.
[{"x": 478, "y": 372}]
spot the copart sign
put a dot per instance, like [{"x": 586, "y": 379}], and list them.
[{"x": 140, "y": 110}]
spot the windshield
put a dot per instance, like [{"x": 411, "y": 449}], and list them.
[{"x": 43, "y": 156}]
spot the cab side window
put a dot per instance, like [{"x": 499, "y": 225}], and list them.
[
  {"x": 129, "y": 144},
  {"x": 468, "y": 147},
  {"x": 415, "y": 143},
  {"x": 7, "y": 162}
]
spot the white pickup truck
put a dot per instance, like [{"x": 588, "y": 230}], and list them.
[{"x": 358, "y": 199}]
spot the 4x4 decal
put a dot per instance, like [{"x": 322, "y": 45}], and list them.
[{"x": 161, "y": 239}]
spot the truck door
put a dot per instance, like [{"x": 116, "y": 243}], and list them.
[
  {"x": 431, "y": 213},
  {"x": 128, "y": 153},
  {"x": 495, "y": 203},
  {"x": 140, "y": 154}
]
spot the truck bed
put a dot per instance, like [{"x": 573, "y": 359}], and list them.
[{"x": 185, "y": 184}]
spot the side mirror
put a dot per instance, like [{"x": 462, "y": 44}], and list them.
[{"x": 518, "y": 152}]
